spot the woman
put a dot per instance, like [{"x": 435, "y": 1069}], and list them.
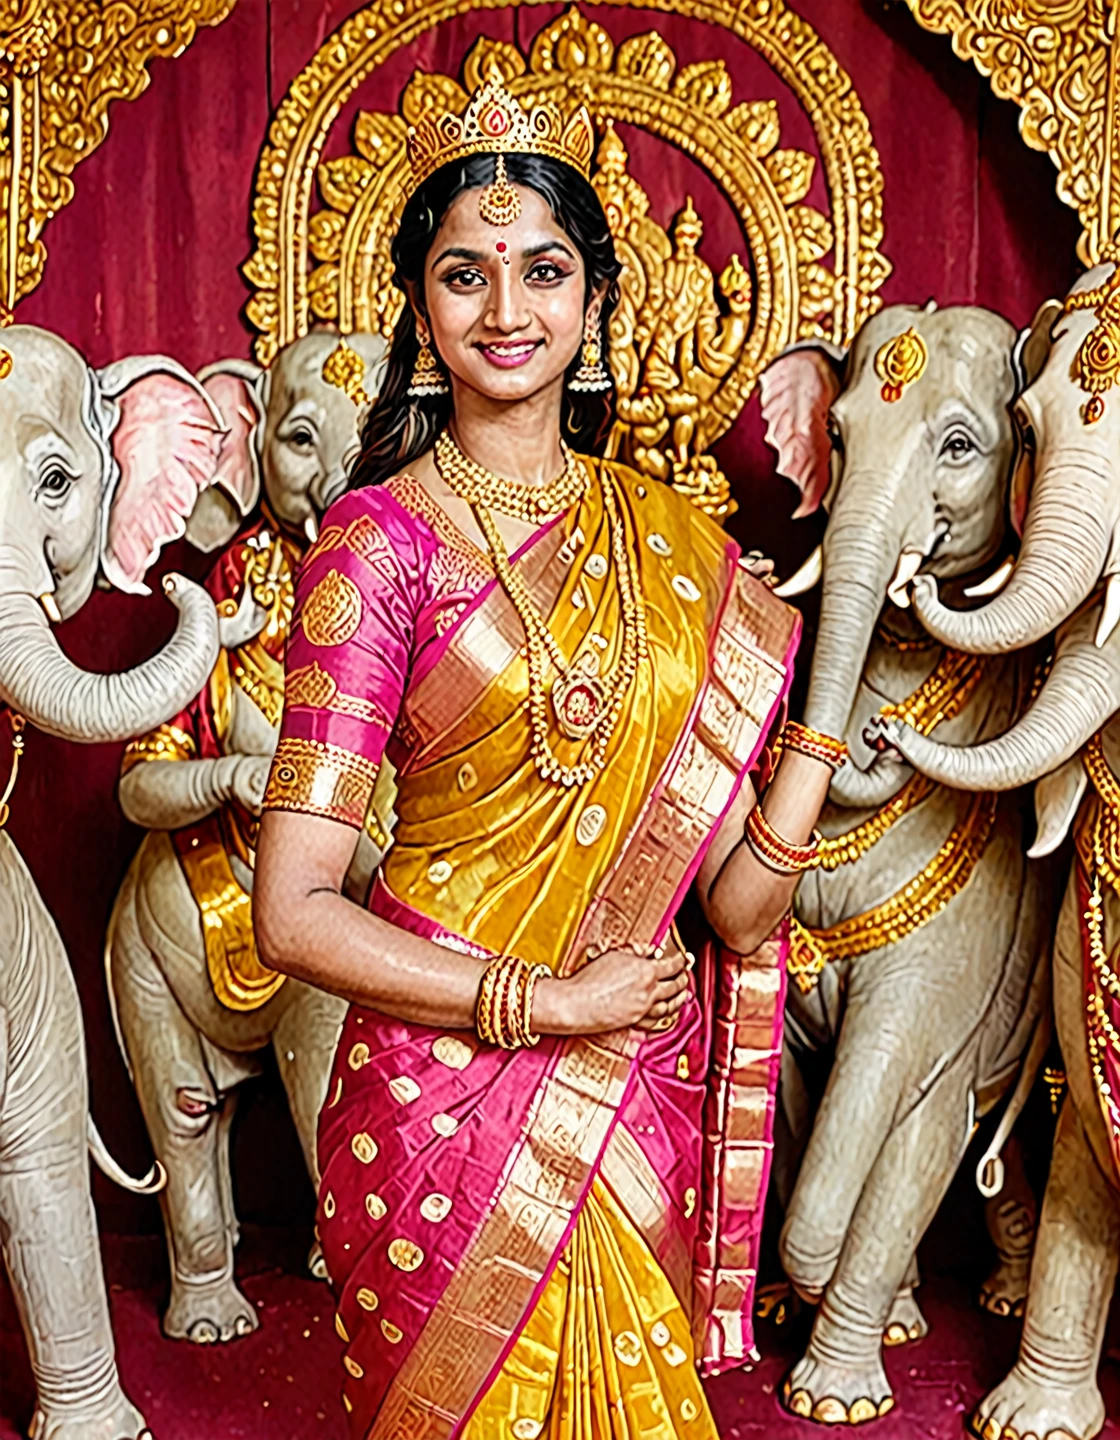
[{"x": 574, "y": 680}]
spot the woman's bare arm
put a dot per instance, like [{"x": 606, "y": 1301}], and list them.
[
  {"x": 743, "y": 899},
  {"x": 306, "y": 927}
]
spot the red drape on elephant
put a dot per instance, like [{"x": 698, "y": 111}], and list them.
[{"x": 147, "y": 258}]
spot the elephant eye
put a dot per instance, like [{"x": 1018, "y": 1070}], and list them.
[
  {"x": 301, "y": 438},
  {"x": 958, "y": 446},
  {"x": 55, "y": 484},
  {"x": 836, "y": 440}
]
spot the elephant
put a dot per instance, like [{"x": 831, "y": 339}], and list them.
[
  {"x": 1065, "y": 577},
  {"x": 917, "y": 943},
  {"x": 100, "y": 468},
  {"x": 194, "y": 1007}
]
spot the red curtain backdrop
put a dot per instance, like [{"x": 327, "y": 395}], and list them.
[{"x": 147, "y": 258}]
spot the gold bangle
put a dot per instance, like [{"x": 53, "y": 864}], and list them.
[
  {"x": 818, "y": 746},
  {"x": 484, "y": 1008},
  {"x": 781, "y": 856},
  {"x": 538, "y": 972},
  {"x": 503, "y": 995}
]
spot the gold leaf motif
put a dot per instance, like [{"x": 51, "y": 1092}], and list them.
[
  {"x": 571, "y": 43},
  {"x": 342, "y": 181},
  {"x": 324, "y": 235},
  {"x": 757, "y": 124},
  {"x": 791, "y": 172},
  {"x": 812, "y": 231},
  {"x": 376, "y": 1208},
  {"x": 647, "y": 57},
  {"x": 406, "y": 1255},
  {"x": 449, "y": 1050},
  {"x": 333, "y": 611},
  {"x": 900, "y": 362},
  {"x": 486, "y": 54},
  {"x": 366, "y": 1299},
  {"x": 364, "y": 1147},
  {"x": 378, "y": 137},
  {"x": 705, "y": 86},
  {"x": 427, "y": 95}
]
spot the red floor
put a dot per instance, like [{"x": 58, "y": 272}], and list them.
[{"x": 282, "y": 1382}]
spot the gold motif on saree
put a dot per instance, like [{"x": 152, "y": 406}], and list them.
[
  {"x": 590, "y": 824},
  {"x": 312, "y": 687},
  {"x": 628, "y": 1348},
  {"x": 435, "y": 1207},
  {"x": 376, "y": 1208},
  {"x": 337, "y": 1096},
  {"x": 391, "y": 1332},
  {"x": 353, "y": 1367},
  {"x": 366, "y": 1299},
  {"x": 406, "y": 1255},
  {"x": 659, "y": 1334},
  {"x": 359, "y": 1055},
  {"x": 445, "y": 1125},
  {"x": 467, "y": 777},
  {"x": 404, "y": 1089},
  {"x": 364, "y": 1147},
  {"x": 165, "y": 742},
  {"x": 440, "y": 872},
  {"x": 333, "y": 611},
  {"x": 449, "y": 1050},
  {"x": 596, "y": 566},
  {"x": 340, "y": 1329},
  {"x": 658, "y": 544},
  {"x": 686, "y": 588},
  {"x": 238, "y": 979},
  {"x": 328, "y": 1205},
  {"x": 527, "y": 1428},
  {"x": 316, "y": 778}
]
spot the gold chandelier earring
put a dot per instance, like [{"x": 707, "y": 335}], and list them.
[
  {"x": 592, "y": 376},
  {"x": 427, "y": 374}
]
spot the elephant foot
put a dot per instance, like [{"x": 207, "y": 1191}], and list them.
[
  {"x": 121, "y": 1421},
  {"x": 837, "y": 1394},
  {"x": 208, "y": 1314},
  {"x": 1024, "y": 1409},
  {"x": 906, "y": 1322},
  {"x": 316, "y": 1262},
  {"x": 1005, "y": 1290}
]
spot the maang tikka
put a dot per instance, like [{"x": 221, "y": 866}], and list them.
[
  {"x": 592, "y": 375},
  {"x": 427, "y": 375}
]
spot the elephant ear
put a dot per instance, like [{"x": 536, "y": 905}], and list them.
[
  {"x": 235, "y": 386},
  {"x": 1028, "y": 359},
  {"x": 161, "y": 438},
  {"x": 797, "y": 390}
]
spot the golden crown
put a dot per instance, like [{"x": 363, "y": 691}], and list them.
[{"x": 494, "y": 123}]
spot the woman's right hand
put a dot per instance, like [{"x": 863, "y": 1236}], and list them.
[{"x": 614, "y": 991}]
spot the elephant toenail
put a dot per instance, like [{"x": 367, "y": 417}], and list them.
[
  {"x": 886, "y": 1405},
  {"x": 863, "y": 1410},
  {"x": 1009, "y": 1433},
  {"x": 830, "y": 1411},
  {"x": 992, "y": 1429},
  {"x": 896, "y": 1334},
  {"x": 915, "y": 1331},
  {"x": 243, "y": 1325},
  {"x": 801, "y": 1403}
]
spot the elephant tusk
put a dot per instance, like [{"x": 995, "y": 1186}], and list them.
[
  {"x": 805, "y": 578},
  {"x": 909, "y": 562},
  {"x": 1110, "y": 613},
  {"x": 995, "y": 581},
  {"x": 311, "y": 529},
  {"x": 50, "y": 607}
]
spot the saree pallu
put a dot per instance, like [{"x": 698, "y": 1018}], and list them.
[{"x": 526, "y": 1244}]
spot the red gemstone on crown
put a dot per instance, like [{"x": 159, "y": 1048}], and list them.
[{"x": 493, "y": 121}]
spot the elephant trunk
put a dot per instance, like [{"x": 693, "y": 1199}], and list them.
[
  {"x": 861, "y": 548},
  {"x": 1078, "y": 698},
  {"x": 55, "y": 695},
  {"x": 1065, "y": 544}
]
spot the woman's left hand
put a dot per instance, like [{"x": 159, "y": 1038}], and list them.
[{"x": 663, "y": 1014}]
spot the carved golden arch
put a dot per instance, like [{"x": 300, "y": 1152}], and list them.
[
  {"x": 61, "y": 63},
  {"x": 1058, "y": 60}
]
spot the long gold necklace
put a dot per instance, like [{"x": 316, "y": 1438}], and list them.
[{"x": 585, "y": 703}]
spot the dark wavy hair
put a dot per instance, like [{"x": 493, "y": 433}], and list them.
[{"x": 401, "y": 427}]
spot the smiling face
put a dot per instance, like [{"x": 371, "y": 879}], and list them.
[{"x": 505, "y": 304}]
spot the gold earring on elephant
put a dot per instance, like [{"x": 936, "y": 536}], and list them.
[
  {"x": 592, "y": 377},
  {"x": 428, "y": 377}
]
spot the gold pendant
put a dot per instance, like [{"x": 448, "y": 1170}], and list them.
[{"x": 579, "y": 699}]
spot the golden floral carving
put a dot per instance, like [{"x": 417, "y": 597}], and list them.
[
  {"x": 333, "y": 610},
  {"x": 804, "y": 273},
  {"x": 1058, "y": 61},
  {"x": 61, "y": 63}
]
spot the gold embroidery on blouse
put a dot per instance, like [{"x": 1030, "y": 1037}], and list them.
[
  {"x": 313, "y": 687},
  {"x": 316, "y": 778},
  {"x": 333, "y": 610},
  {"x": 166, "y": 742}
]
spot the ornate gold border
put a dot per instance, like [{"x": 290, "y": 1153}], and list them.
[
  {"x": 61, "y": 63},
  {"x": 278, "y": 270},
  {"x": 1056, "y": 59}
]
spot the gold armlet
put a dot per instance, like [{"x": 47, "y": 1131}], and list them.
[
  {"x": 777, "y": 854},
  {"x": 807, "y": 741}
]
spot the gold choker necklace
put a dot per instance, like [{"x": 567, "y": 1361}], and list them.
[
  {"x": 587, "y": 705},
  {"x": 532, "y": 503}
]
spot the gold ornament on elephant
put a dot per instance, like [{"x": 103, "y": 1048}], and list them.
[
  {"x": 688, "y": 342},
  {"x": 345, "y": 369},
  {"x": 900, "y": 362},
  {"x": 1098, "y": 358}
]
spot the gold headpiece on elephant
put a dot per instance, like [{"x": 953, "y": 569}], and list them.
[
  {"x": 900, "y": 362},
  {"x": 346, "y": 370},
  {"x": 1098, "y": 358},
  {"x": 495, "y": 123}
]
